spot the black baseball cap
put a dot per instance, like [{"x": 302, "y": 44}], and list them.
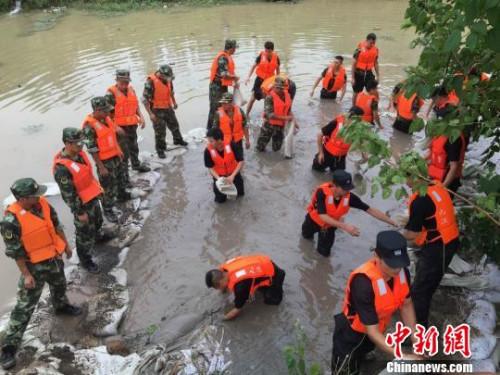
[
  {"x": 342, "y": 179},
  {"x": 392, "y": 248}
]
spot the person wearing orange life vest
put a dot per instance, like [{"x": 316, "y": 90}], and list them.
[
  {"x": 244, "y": 276},
  {"x": 368, "y": 102},
  {"x": 374, "y": 293},
  {"x": 277, "y": 113},
  {"x": 406, "y": 108},
  {"x": 80, "y": 190},
  {"x": 334, "y": 79},
  {"x": 365, "y": 62},
  {"x": 35, "y": 239},
  {"x": 223, "y": 160},
  {"x": 127, "y": 115},
  {"x": 267, "y": 65},
  {"x": 444, "y": 103},
  {"x": 432, "y": 225},
  {"x": 101, "y": 139},
  {"x": 332, "y": 150},
  {"x": 268, "y": 85},
  {"x": 330, "y": 202},
  {"x": 233, "y": 122},
  {"x": 222, "y": 76},
  {"x": 159, "y": 101}
]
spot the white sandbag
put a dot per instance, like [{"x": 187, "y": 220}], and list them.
[
  {"x": 482, "y": 346},
  {"x": 485, "y": 366},
  {"x": 483, "y": 316},
  {"x": 196, "y": 135},
  {"x": 459, "y": 266},
  {"x": 226, "y": 188},
  {"x": 288, "y": 141},
  {"x": 97, "y": 361},
  {"x": 473, "y": 282}
]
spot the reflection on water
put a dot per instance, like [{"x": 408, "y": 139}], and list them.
[{"x": 52, "y": 64}]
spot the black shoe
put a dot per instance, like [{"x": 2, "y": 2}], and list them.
[
  {"x": 8, "y": 357},
  {"x": 123, "y": 197},
  {"x": 70, "y": 310},
  {"x": 180, "y": 142},
  {"x": 111, "y": 216},
  {"x": 141, "y": 168},
  {"x": 161, "y": 155},
  {"x": 91, "y": 267}
]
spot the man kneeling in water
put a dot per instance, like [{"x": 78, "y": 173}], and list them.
[{"x": 243, "y": 276}]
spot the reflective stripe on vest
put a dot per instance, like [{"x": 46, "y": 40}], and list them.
[
  {"x": 387, "y": 300},
  {"x": 38, "y": 235},
  {"x": 334, "y": 144},
  {"x": 364, "y": 101},
  {"x": 446, "y": 223},
  {"x": 334, "y": 81},
  {"x": 126, "y": 106},
  {"x": 107, "y": 142},
  {"x": 226, "y": 165},
  {"x": 266, "y": 67},
  {"x": 215, "y": 66},
  {"x": 439, "y": 164},
  {"x": 231, "y": 127},
  {"x": 366, "y": 57},
  {"x": 86, "y": 185},
  {"x": 249, "y": 267},
  {"x": 333, "y": 210},
  {"x": 404, "y": 106},
  {"x": 162, "y": 98},
  {"x": 280, "y": 107}
]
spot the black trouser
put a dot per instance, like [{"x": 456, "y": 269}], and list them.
[
  {"x": 238, "y": 182},
  {"x": 403, "y": 125},
  {"x": 361, "y": 78},
  {"x": 349, "y": 347},
  {"x": 432, "y": 262},
  {"x": 257, "y": 90},
  {"x": 454, "y": 185},
  {"x": 327, "y": 94},
  {"x": 326, "y": 236},
  {"x": 274, "y": 294},
  {"x": 330, "y": 161}
]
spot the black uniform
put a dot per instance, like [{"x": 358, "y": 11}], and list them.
[{"x": 330, "y": 161}]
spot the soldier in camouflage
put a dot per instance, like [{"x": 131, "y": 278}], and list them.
[
  {"x": 20, "y": 244},
  {"x": 159, "y": 101},
  {"x": 110, "y": 171},
  {"x": 220, "y": 77}
]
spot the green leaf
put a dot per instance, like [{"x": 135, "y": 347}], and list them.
[
  {"x": 416, "y": 125},
  {"x": 472, "y": 41},
  {"x": 453, "y": 41},
  {"x": 479, "y": 27},
  {"x": 386, "y": 192},
  {"x": 400, "y": 193},
  {"x": 315, "y": 369},
  {"x": 375, "y": 189}
]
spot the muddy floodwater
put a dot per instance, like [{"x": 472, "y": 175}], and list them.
[{"x": 53, "y": 63}]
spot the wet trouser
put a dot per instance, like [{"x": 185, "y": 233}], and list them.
[
  {"x": 326, "y": 236},
  {"x": 433, "y": 259},
  {"x": 268, "y": 131},
  {"x": 327, "y": 94},
  {"x": 114, "y": 184},
  {"x": 87, "y": 233},
  {"x": 349, "y": 347},
  {"x": 165, "y": 118},
  {"x": 257, "y": 89},
  {"x": 215, "y": 92},
  {"x": 330, "y": 161},
  {"x": 361, "y": 79},
  {"x": 240, "y": 188},
  {"x": 129, "y": 145},
  {"x": 454, "y": 185},
  {"x": 273, "y": 294},
  {"x": 403, "y": 125},
  {"x": 50, "y": 272}
]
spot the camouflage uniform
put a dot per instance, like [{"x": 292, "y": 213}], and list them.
[
  {"x": 216, "y": 90},
  {"x": 268, "y": 131},
  {"x": 50, "y": 272},
  {"x": 165, "y": 119},
  {"x": 86, "y": 233}
]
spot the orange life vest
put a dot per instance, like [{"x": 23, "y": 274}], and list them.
[
  {"x": 332, "y": 210},
  {"x": 338, "y": 79},
  {"x": 266, "y": 67},
  {"x": 126, "y": 106},
  {"x": 38, "y": 235},
  {"x": 438, "y": 166},
  {"x": 334, "y": 144},
  {"x": 230, "y": 68},
  {"x": 268, "y": 84},
  {"x": 231, "y": 127},
  {"x": 452, "y": 99},
  {"x": 225, "y": 165},
  {"x": 366, "y": 57},
  {"x": 404, "y": 106},
  {"x": 249, "y": 267},
  {"x": 86, "y": 186},
  {"x": 387, "y": 300},
  {"x": 281, "y": 108},
  {"x": 162, "y": 98},
  {"x": 364, "y": 101},
  {"x": 106, "y": 137},
  {"x": 446, "y": 222}
]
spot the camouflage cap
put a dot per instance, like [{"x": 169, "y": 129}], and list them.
[
  {"x": 230, "y": 43},
  {"x": 100, "y": 103},
  {"x": 166, "y": 70},
  {"x": 279, "y": 82},
  {"x": 72, "y": 135},
  {"x": 123, "y": 75},
  {"x": 27, "y": 187},
  {"x": 227, "y": 97}
]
